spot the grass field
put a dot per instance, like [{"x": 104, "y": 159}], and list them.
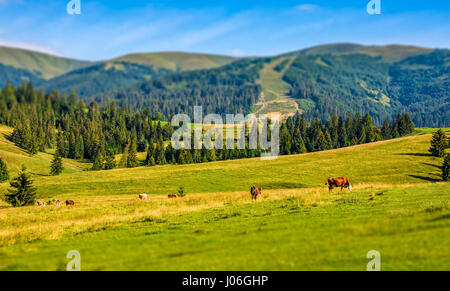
[{"x": 398, "y": 207}]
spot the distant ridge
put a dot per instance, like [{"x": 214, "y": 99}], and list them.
[
  {"x": 177, "y": 61},
  {"x": 40, "y": 64},
  {"x": 389, "y": 53}
]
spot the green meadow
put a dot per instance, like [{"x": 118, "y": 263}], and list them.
[{"x": 399, "y": 207}]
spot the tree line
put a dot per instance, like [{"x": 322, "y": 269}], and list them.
[{"x": 98, "y": 134}]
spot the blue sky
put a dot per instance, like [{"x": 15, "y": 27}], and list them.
[{"x": 107, "y": 29}]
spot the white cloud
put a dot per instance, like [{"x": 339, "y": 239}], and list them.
[
  {"x": 30, "y": 46},
  {"x": 236, "y": 53},
  {"x": 306, "y": 7}
]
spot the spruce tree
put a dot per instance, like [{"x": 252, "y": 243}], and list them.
[
  {"x": 79, "y": 148},
  {"x": 124, "y": 159},
  {"x": 150, "y": 159},
  {"x": 323, "y": 141},
  {"x": 22, "y": 192},
  {"x": 298, "y": 146},
  {"x": 98, "y": 162},
  {"x": 56, "y": 167},
  {"x": 61, "y": 145},
  {"x": 438, "y": 143},
  {"x": 110, "y": 160},
  {"x": 386, "y": 130},
  {"x": 33, "y": 147},
  {"x": 72, "y": 146},
  {"x": 211, "y": 156},
  {"x": 132, "y": 154},
  {"x": 342, "y": 136},
  {"x": 285, "y": 140},
  {"x": 446, "y": 168},
  {"x": 160, "y": 155},
  {"x": 4, "y": 173}
]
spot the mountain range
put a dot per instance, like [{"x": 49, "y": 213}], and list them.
[{"x": 317, "y": 81}]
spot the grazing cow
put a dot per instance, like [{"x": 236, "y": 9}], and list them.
[
  {"x": 57, "y": 202},
  {"x": 255, "y": 191},
  {"x": 70, "y": 203},
  {"x": 40, "y": 203},
  {"x": 339, "y": 182},
  {"x": 143, "y": 196},
  {"x": 172, "y": 195}
]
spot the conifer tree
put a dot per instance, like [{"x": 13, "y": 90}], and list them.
[
  {"x": 160, "y": 155},
  {"x": 56, "y": 167},
  {"x": 342, "y": 136},
  {"x": 124, "y": 159},
  {"x": 211, "y": 155},
  {"x": 446, "y": 168},
  {"x": 98, "y": 162},
  {"x": 22, "y": 192},
  {"x": 438, "y": 143},
  {"x": 132, "y": 154},
  {"x": 150, "y": 159},
  {"x": 33, "y": 147},
  {"x": 72, "y": 146},
  {"x": 386, "y": 130},
  {"x": 79, "y": 148},
  {"x": 298, "y": 146},
  {"x": 285, "y": 140},
  {"x": 61, "y": 145},
  {"x": 322, "y": 143},
  {"x": 4, "y": 173},
  {"x": 110, "y": 160}
]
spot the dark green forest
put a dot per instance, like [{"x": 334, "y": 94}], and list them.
[
  {"x": 103, "y": 77},
  {"x": 360, "y": 83},
  {"x": 228, "y": 89}
]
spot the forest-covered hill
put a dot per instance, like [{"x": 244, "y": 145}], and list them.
[{"x": 328, "y": 79}]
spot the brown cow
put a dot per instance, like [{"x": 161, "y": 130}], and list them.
[
  {"x": 172, "y": 195},
  {"x": 70, "y": 203},
  {"x": 40, "y": 203},
  {"x": 255, "y": 191},
  {"x": 339, "y": 182}
]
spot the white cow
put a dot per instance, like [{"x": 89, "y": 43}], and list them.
[{"x": 143, "y": 196}]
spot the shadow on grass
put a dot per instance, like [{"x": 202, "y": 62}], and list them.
[
  {"x": 429, "y": 179},
  {"x": 441, "y": 217},
  {"x": 39, "y": 174},
  {"x": 282, "y": 185},
  {"x": 415, "y": 154},
  {"x": 432, "y": 165}
]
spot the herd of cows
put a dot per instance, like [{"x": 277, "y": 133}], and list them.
[{"x": 332, "y": 183}]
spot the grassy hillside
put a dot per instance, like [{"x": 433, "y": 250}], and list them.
[
  {"x": 38, "y": 165},
  {"x": 389, "y": 53},
  {"x": 274, "y": 96},
  {"x": 398, "y": 207},
  {"x": 177, "y": 61},
  {"x": 42, "y": 65}
]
